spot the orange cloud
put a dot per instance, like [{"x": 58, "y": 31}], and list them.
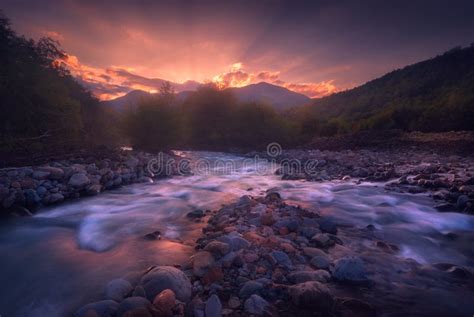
[
  {"x": 115, "y": 81},
  {"x": 237, "y": 77}
]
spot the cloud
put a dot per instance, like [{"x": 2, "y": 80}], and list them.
[
  {"x": 237, "y": 77},
  {"x": 115, "y": 81}
]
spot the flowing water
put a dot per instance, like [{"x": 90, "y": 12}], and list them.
[{"x": 64, "y": 256}]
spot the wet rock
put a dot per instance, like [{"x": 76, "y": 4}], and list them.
[
  {"x": 55, "y": 198},
  {"x": 323, "y": 240},
  {"x": 321, "y": 276},
  {"x": 133, "y": 303},
  {"x": 312, "y": 252},
  {"x": 156, "y": 235},
  {"x": 462, "y": 201},
  {"x": 139, "y": 291},
  {"x": 201, "y": 263},
  {"x": 40, "y": 175},
  {"x": 234, "y": 302},
  {"x": 280, "y": 258},
  {"x": 118, "y": 289},
  {"x": 328, "y": 226},
  {"x": 217, "y": 248},
  {"x": 94, "y": 189},
  {"x": 167, "y": 277},
  {"x": 213, "y": 307},
  {"x": 79, "y": 180},
  {"x": 195, "y": 214},
  {"x": 104, "y": 308},
  {"x": 250, "y": 288},
  {"x": 348, "y": 307},
  {"x": 312, "y": 295},
  {"x": 54, "y": 172},
  {"x": 256, "y": 305},
  {"x": 236, "y": 243},
  {"x": 350, "y": 270},
  {"x": 164, "y": 303},
  {"x": 138, "y": 312},
  {"x": 320, "y": 262}
]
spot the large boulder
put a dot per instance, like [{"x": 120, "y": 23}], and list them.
[
  {"x": 167, "y": 277},
  {"x": 118, "y": 289},
  {"x": 104, "y": 308},
  {"x": 312, "y": 296}
]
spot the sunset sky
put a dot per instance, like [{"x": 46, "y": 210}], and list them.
[{"x": 312, "y": 47}]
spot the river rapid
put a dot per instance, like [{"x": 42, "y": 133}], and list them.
[{"x": 61, "y": 258}]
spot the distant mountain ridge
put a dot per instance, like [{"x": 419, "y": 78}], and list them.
[{"x": 278, "y": 97}]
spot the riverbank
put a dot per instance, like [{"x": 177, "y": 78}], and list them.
[
  {"x": 264, "y": 256},
  {"x": 26, "y": 189},
  {"x": 448, "y": 179}
]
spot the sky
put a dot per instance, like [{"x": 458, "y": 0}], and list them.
[{"x": 313, "y": 47}]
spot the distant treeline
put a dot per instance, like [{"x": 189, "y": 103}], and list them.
[{"x": 43, "y": 109}]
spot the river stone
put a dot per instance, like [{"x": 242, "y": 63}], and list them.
[
  {"x": 462, "y": 201},
  {"x": 79, "y": 180},
  {"x": 350, "y": 270},
  {"x": 139, "y": 312},
  {"x": 164, "y": 303},
  {"x": 31, "y": 197},
  {"x": 213, "y": 307},
  {"x": 38, "y": 174},
  {"x": 235, "y": 242},
  {"x": 255, "y": 305},
  {"x": 164, "y": 277},
  {"x": 132, "y": 303},
  {"x": 280, "y": 258},
  {"x": 55, "y": 198},
  {"x": 118, "y": 289},
  {"x": 250, "y": 288},
  {"x": 311, "y": 295},
  {"x": 202, "y": 261},
  {"x": 307, "y": 276},
  {"x": 217, "y": 248},
  {"x": 104, "y": 308},
  {"x": 328, "y": 226},
  {"x": 320, "y": 262},
  {"x": 198, "y": 213},
  {"x": 54, "y": 172},
  {"x": 139, "y": 291}
]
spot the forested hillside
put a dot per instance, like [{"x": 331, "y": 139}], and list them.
[
  {"x": 42, "y": 108},
  {"x": 433, "y": 95}
]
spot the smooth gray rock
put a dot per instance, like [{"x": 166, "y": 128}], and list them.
[
  {"x": 255, "y": 305},
  {"x": 213, "y": 307},
  {"x": 350, "y": 270},
  {"x": 250, "y": 288},
  {"x": 163, "y": 277},
  {"x": 79, "y": 180},
  {"x": 118, "y": 289}
]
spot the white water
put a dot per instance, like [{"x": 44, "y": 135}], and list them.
[{"x": 63, "y": 257}]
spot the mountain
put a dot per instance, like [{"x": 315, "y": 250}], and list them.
[
  {"x": 433, "y": 95},
  {"x": 279, "y": 97}
]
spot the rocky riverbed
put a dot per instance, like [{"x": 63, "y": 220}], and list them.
[
  {"x": 449, "y": 179},
  {"x": 262, "y": 256},
  {"x": 25, "y": 189}
]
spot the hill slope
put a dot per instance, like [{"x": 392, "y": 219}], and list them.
[
  {"x": 433, "y": 95},
  {"x": 278, "y": 97}
]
